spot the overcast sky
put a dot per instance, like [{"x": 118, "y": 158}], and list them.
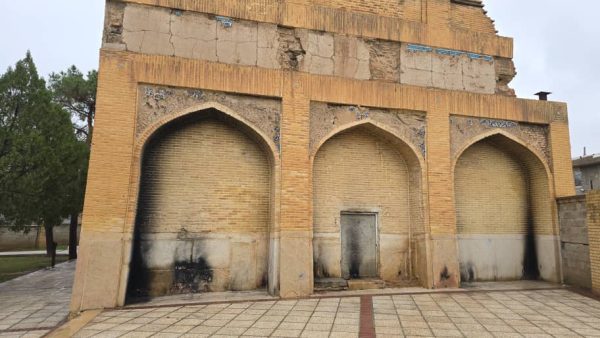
[{"x": 556, "y": 48}]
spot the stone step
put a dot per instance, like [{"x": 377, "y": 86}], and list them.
[
  {"x": 365, "y": 284},
  {"x": 330, "y": 284}
]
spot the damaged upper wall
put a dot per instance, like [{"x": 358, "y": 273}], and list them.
[
  {"x": 464, "y": 14},
  {"x": 163, "y": 31}
]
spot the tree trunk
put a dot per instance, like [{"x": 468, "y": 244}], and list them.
[
  {"x": 90, "y": 125},
  {"x": 49, "y": 240},
  {"x": 73, "y": 236}
]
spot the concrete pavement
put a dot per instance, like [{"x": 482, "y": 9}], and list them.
[{"x": 35, "y": 304}]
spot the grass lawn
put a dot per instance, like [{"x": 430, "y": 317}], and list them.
[
  {"x": 15, "y": 266},
  {"x": 58, "y": 248}
]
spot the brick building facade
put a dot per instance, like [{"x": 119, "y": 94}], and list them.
[{"x": 248, "y": 144}]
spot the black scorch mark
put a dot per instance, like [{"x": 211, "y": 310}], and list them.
[{"x": 191, "y": 277}]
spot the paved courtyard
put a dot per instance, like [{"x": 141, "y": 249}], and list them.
[
  {"x": 542, "y": 313},
  {"x": 33, "y": 305}
]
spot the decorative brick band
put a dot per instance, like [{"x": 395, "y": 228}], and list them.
[{"x": 450, "y": 52}]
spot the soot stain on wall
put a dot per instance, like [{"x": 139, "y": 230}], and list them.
[
  {"x": 531, "y": 270},
  {"x": 186, "y": 276},
  {"x": 355, "y": 252},
  {"x": 320, "y": 270}
]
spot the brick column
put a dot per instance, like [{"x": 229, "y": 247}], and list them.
[
  {"x": 98, "y": 276},
  {"x": 593, "y": 223},
  {"x": 296, "y": 256},
  {"x": 442, "y": 219},
  {"x": 560, "y": 144}
]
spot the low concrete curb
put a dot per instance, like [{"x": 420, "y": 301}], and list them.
[{"x": 71, "y": 327}]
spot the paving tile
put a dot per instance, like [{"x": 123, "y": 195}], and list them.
[
  {"x": 446, "y": 333},
  {"x": 339, "y": 334},
  {"x": 204, "y": 330},
  {"x": 166, "y": 335},
  {"x": 286, "y": 333},
  {"x": 237, "y": 331},
  {"x": 315, "y": 334},
  {"x": 154, "y": 327},
  {"x": 345, "y": 328},
  {"x": 258, "y": 332},
  {"x": 215, "y": 322},
  {"x": 318, "y": 327},
  {"x": 293, "y": 319},
  {"x": 137, "y": 334},
  {"x": 415, "y": 324},
  {"x": 291, "y": 326},
  {"x": 442, "y": 326},
  {"x": 111, "y": 334},
  {"x": 412, "y": 331},
  {"x": 385, "y": 323},
  {"x": 388, "y": 330},
  {"x": 165, "y": 321},
  {"x": 321, "y": 320},
  {"x": 86, "y": 332},
  {"x": 266, "y": 324},
  {"x": 178, "y": 328},
  {"x": 499, "y": 328}
]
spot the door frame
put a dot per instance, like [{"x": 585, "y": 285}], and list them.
[{"x": 377, "y": 245}]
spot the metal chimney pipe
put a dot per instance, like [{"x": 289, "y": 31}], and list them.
[{"x": 543, "y": 96}]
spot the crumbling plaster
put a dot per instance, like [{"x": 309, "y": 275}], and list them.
[
  {"x": 157, "y": 103},
  {"x": 464, "y": 129},
  {"x": 326, "y": 118}
]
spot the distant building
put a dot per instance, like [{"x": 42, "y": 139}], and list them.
[{"x": 587, "y": 173}]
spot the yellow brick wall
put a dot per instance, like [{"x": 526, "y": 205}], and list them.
[
  {"x": 471, "y": 18},
  {"x": 560, "y": 141},
  {"x": 187, "y": 181},
  {"x": 495, "y": 184},
  {"x": 491, "y": 192},
  {"x": 407, "y": 9},
  {"x": 356, "y": 171},
  {"x": 593, "y": 223}
]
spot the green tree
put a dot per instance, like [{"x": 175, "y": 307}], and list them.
[
  {"x": 38, "y": 151},
  {"x": 76, "y": 94}
]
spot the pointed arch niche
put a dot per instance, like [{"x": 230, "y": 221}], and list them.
[
  {"x": 194, "y": 228},
  {"x": 504, "y": 211},
  {"x": 363, "y": 168}
]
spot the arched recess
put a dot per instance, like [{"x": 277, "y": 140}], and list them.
[
  {"x": 504, "y": 211},
  {"x": 204, "y": 212},
  {"x": 364, "y": 170}
]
